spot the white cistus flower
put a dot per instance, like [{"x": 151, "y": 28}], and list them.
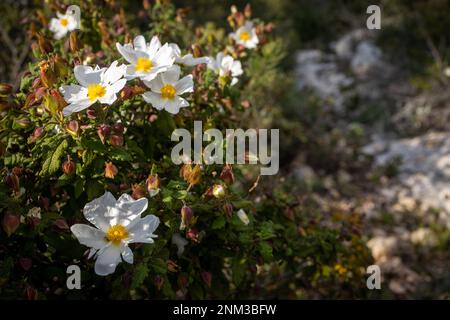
[
  {"x": 146, "y": 59},
  {"x": 166, "y": 89},
  {"x": 187, "y": 59},
  {"x": 180, "y": 242},
  {"x": 246, "y": 36},
  {"x": 117, "y": 223},
  {"x": 98, "y": 84},
  {"x": 226, "y": 66},
  {"x": 243, "y": 216},
  {"x": 62, "y": 24}
]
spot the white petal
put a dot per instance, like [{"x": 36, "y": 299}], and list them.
[
  {"x": 142, "y": 230},
  {"x": 114, "y": 73},
  {"x": 155, "y": 99},
  {"x": 130, "y": 210},
  {"x": 236, "y": 69},
  {"x": 73, "y": 92},
  {"x": 155, "y": 85},
  {"x": 77, "y": 106},
  {"x": 107, "y": 260},
  {"x": 89, "y": 236},
  {"x": 127, "y": 53},
  {"x": 180, "y": 242},
  {"x": 186, "y": 84},
  {"x": 108, "y": 98},
  {"x": 175, "y": 50},
  {"x": 173, "y": 106},
  {"x": 154, "y": 46},
  {"x": 100, "y": 211},
  {"x": 85, "y": 75},
  {"x": 139, "y": 43},
  {"x": 164, "y": 56},
  {"x": 172, "y": 75},
  {"x": 127, "y": 255}
]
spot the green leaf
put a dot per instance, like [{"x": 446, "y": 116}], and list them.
[
  {"x": 219, "y": 223},
  {"x": 139, "y": 276},
  {"x": 266, "y": 250},
  {"x": 93, "y": 189},
  {"x": 238, "y": 267},
  {"x": 53, "y": 161}
]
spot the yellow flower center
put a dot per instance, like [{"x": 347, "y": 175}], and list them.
[
  {"x": 244, "y": 36},
  {"x": 95, "y": 91},
  {"x": 168, "y": 91},
  {"x": 143, "y": 64},
  {"x": 64, "y": 22},
  {"x": 116, "y": 234}
]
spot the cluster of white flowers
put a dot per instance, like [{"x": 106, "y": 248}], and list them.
[
  {"x": 118, "y": 223},
  {"x": 155, "y": 64}
]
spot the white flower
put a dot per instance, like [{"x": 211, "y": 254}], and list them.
[
  {"x": 147, "y": 59},
  {"x": 246, "y": 36},
  {"x": 180, "y": 242},
  {"x": 63, "y": 24},
  {"x": 96, "y": 85},
  {"x": 117, "y": 224},
  {"x": 166, "y": 90},
  {"x": 243, "y": 216},
  {"x": 226, "y": 66},
  {"x": 188, "y": 59}
]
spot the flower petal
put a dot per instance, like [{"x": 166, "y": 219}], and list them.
[
  {"x": 100, "y": 211},
  {"x": 127, "y": 255},
  {"x": 155, "y": 99},
  {"x": 114, "y": 72},
  {"x": 172, "y": 75},
  {"x": 107, "y": 260},
  {"x": 129, "y": 209},
  {"x": 186, "y": 84},
  {"x": 142, "y": 230},
  {"x": 127, "y": 52},
  {"x": 85, "y": 75},
  {"x": 77, "y": 106},
  {"x": 139, "y": 43},
  {"x": 89, "y": 236}
]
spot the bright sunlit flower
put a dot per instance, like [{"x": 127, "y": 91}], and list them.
[
  {"x": 166, "y": 90},
  {"x": 146, "y": 60},
  {"x": 117, "y": 223},
  {"x": 246, "y": 36},
  {"x": 99, "y": 84},
  {"x": 187, "y": 59},
  {"x": 226, "y": 66},
  {"x": 62, "y": 24}
]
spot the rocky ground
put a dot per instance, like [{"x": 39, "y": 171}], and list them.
[{"x": 406, "y": 216}]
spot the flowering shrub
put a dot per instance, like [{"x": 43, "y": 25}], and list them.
[{"x": 92, "y": 123}]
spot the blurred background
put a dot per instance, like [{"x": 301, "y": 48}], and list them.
[{"x": 364, "y": 116}]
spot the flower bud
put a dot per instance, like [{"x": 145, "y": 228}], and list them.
[
  {"x": 191, "y": 174},
  {"x": 103, "y": 131},
  {"x": 186, "y": 217},
  {"x": 38, "y": 132},
  {"x": 193, "y": 234},
  {"x": 73, "y": 128},
  {"x": 12, "y": 181},
  {"x": 61, "y": 224},
  {"x": 228, "y": 209},
  {"x": 22, "y": 122},
  {"x": 68, "y": 166},
  {"x": 207, "y": 277},
  {"x": 183, "y": 281},
  {"x": 158, "y": 281},
  {"x": 25, "y": 263},
  {"x": 138, "y": 191},
  {"x": 218, "y": 191},
  {"x": 118, "y": 128},
  {"x": 110, "y": 170},
  {"x": 91, "y": 113},
  {"x": 31, "y": 293},
  {"x": 172, "y": 266},
  {"x": 10, "y": 223},
  {"x": 73, "y": 42},
  {"x": 227, "y": 174},
  {"x": 5, "y": 88},
  {"x": 44, "y": 45},
  {"x": 153, "y": 183},
  {"x": 116, "y": 140}
]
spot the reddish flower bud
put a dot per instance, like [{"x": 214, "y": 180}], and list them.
[
  {"x": 37, "y": 133},
  {"x": 186, "y": 217},
  {"x": 68, "y": 166},
  {"x": 110, "y": 170},
  {"x": 153, "y": 184},
  {"x": 193, "y": 234},
  {"x": 228, "y": 209},
  {"x": 12, "y": 181},
  {"x": 159, "y": 282},
  {"x": 91, "y": 113},
  {"x": 31, "y": 293},
  {"x": 73, "y": 42},
  {"x": 44, "y": 45},
  {"x": 172, "y": 266},
  {"x": 138, "y": 191},
  {"x": 25, "y": 263},
  {"x": 10, "y": 223},
  {"x": 183, "y": 281},
  {"x": 5, "y": 88},
  {"x": 116, "y": 140},
  {"x": 73, "y": 128},
  {"x": 103, "y": 131},
  {"x": 118, "y": 128},
  {"x": 227, "y": 174},
  {"x": 61, "y": 224},
  {"x": 207, "y": 278}
]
